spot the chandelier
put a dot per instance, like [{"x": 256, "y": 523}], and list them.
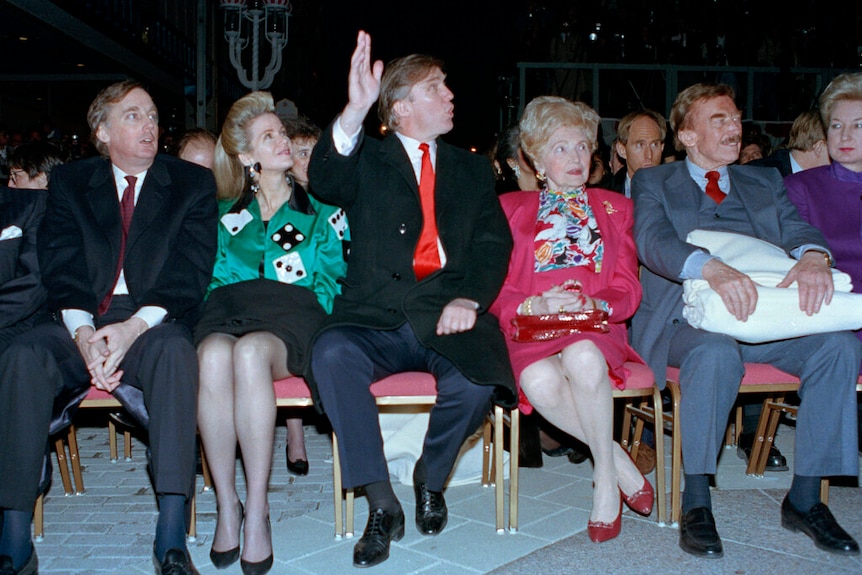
[{"x": 246, "y": 17}]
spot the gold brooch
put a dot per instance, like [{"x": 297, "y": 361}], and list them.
[{"x": 609, "y": 207}]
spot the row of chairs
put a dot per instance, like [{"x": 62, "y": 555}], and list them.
[{"x": 416, "y": 390}]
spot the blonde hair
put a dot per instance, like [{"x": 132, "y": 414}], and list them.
[
  {"x": 806, "y": 131},
  {"x": 234, "y": 140},
  {"x": 842, "y": 87},
  {"x": 546, "y": 114}
]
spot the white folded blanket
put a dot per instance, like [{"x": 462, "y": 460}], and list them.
[{"x": 777, "y": 315}]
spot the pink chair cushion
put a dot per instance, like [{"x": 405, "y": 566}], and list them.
[
  {"x": 755, "y": 374},
  {"x": 640, "y": 376},
  {"x": 96, "y": 393},
  {"x": 291, "y": 387},
  {"x": 406, "y": 383}
]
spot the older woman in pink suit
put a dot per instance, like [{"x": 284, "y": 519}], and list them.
[{"x": 569, "y": 236}]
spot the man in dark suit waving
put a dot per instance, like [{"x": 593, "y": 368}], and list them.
[
  {"x": 707, "y": 191},
  {"x": 430, "y": 248},
  {"x": 126, "y": 250}
]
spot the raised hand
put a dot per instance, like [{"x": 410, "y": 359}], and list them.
[{"x": 363, "y": 85}]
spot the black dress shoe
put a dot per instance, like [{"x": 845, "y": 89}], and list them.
[
  {"x": 431, "y": 512},
  {"x": 256, "y": 567},
  {"x": 224, "y": 559},
  {"x": 31, "y": 567},
  {"x": 382, "y": 528},
  {"x": 820, "y": 526},
  {"x": 298, "y": 467},
  {"x": 775, "y": 462},
  {"x": 698, "y": 535},
  {"x": 176, "y": 562},
  {"x": 558, "y": 451}
]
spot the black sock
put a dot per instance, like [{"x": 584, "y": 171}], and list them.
[
  {"x": 696, "y": 493},
  {"x": 171, "y": 528},
  {"x": 420, "y": 472},
  {"x": 381, "y": 496},
  {"x": 15, "y": 538},
  {"x": 804, "y": 492}
]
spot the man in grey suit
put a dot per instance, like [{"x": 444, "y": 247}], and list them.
[{"x": 670, "y": 201}]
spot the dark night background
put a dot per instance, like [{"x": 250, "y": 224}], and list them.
[{"x": 480, "y": 40}]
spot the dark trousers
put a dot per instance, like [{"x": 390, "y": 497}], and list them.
[
  {"x": 43, "y": 363},
  {"x": 711, "y": 368},
  {"x": 347, "y": 360}
]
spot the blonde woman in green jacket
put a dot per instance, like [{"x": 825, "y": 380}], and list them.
[{"x": 280, "y": 254}]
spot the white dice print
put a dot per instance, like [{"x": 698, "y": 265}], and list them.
[{"x": 289, "y": 268}]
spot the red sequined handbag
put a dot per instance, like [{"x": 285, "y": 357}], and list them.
[{"x": 529, "y": 328}]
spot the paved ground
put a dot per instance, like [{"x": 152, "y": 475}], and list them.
[{"x": 109, "y": 528}]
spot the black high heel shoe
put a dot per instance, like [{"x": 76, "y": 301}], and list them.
[
  {"x": 224, "y": 559},
  {"x": 298, "y": 467},
  {"x": 258, "y": 567}
]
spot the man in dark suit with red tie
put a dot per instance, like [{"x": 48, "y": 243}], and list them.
[
  {"x": 429, "y": 251},
  {"x": 126, "y": 249}
]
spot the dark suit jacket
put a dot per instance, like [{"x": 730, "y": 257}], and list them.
[
  {"x": 169, "y": 251},
  {"x": 22, "y": 296},
  {"x": 780, "y": 159},
  {"x": 667, "y": 201},
  {"x": 377, "y": 188},
  {"x": 618, "y": 181}
]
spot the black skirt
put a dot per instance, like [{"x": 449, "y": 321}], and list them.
[{"x": 290, "y": 312}]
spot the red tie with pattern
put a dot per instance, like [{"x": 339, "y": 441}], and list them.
[
  {"x": 127, "y": 206},
  {"x": 712, "y": 189},
  {"x": 426, "y": 259}
]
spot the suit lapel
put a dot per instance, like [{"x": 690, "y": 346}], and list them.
[
  {"x": 105, "y": 205},
  {"x": 683, "y": 200},
  {"x": 758, "y": 203},
  {"x": 150, "y": 201},
  {"x": 445, "y": 175},
  {"x": 393, "y": 153}
]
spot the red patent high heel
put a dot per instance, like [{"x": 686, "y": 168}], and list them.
[{"x": 600, "y": 532}]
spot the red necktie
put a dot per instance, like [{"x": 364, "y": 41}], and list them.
[
  {"x": 712, "y": 189},
  {"x": 426, "y": 259},
  {"x": 127, "y": 206}
]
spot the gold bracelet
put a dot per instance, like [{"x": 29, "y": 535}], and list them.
[{"x": 527, "y": 306}]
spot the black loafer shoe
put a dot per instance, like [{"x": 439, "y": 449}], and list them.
[
  {"x": 820, "y": 525},
  {"x": 176, "y": 562},
  {"x": 31, "y": 567},
  {"x": 775, "y": 462},
  {"x": 698, "y": 535},
  {"x": 382, "y": 528},
  {"x": 431, "y": 512}
]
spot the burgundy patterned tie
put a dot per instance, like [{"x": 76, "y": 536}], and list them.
[
  {"x": 127, "y": 206},
  {"x": 712, "y": 189}
]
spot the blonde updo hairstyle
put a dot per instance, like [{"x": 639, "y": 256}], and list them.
[
  {"x": 842, "y": 87},
  {"x": 545, "y": 115},
  {"x": 234, "y": 140}
]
